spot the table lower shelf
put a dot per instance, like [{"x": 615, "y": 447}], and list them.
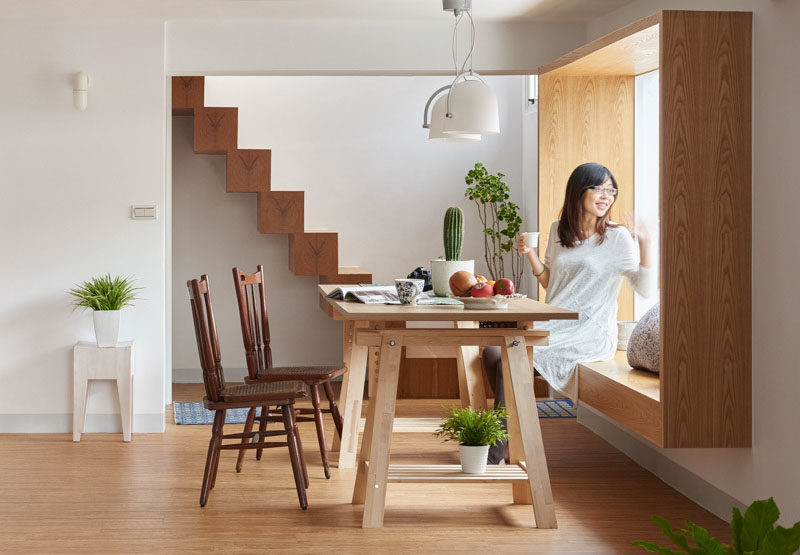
[
  {"x": 409, "y": 425},
  {"x": 431, "y": 473}
]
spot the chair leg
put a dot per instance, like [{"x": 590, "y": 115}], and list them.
[
  {"x": 337, "y": 418},
  {"x": 323, "y": 446},
  {"x": 213, "y": 447},
  {"x": 291, "y": 439},
  {"x": 248, "y": 427},
  {"x": 217, "y": 452},
  {"x": 300, "y": 447},
  {"x": 262, "y": 427}
]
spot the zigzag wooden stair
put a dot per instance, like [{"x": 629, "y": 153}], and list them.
[{"x": 311, "y": 253}]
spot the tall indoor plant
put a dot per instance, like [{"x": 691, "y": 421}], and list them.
[
  {"x": 500, "y": 219},
  {"x": 475, "y": 431},
  {"x": 105, "y": 296},
  {"x": 453, "y": 237}
]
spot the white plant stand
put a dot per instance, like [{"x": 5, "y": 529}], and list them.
[{"x": 91, "y": 362}]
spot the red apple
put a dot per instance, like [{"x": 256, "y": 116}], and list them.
[
  {"x": 481, "y": 289},
  {"x": 504, "y": 286},
  {"x": 461, "y": 282}
]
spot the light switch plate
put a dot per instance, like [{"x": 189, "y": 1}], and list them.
[{"x": 144, "y": 211}]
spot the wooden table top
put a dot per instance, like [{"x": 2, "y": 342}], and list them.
[{"x": 519, "y": 310}]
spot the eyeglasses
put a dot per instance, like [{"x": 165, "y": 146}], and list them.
[{"x": 607, "y": 191}]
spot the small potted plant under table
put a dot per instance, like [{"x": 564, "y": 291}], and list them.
[{"x": 475, "y": 431}]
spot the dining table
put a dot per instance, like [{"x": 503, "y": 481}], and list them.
[{"x": 378, "y": 333}]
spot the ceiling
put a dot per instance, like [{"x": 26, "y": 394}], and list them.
[{"x": 493, "y": 10}]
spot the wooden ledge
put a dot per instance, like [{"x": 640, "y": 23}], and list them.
[{"x": 631, "y": 397}]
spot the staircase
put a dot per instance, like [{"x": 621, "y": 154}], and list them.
[{"x": 311, "y": 253}]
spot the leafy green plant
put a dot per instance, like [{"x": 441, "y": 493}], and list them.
[
  {"x": 500, "y": 219},
  {"x": 104, "y": 293},
  {"x": 473, "y": 427},
  {"x": 753, "y": 533}
]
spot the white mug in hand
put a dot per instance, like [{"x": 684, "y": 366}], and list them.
[{"x": 531, "y": 239}]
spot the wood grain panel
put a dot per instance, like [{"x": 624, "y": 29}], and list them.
[
  {"x": 631, "y": 50},
  {"x": 215, "y": 130},
  {"x": 634, "y": 409},
  {"x": 585, "y": 119},
  {"x": 313, "y": 254},
  {"x": 281, "y": 212},
  {"x": 706, "y": 228},
  {"x": 248, "y": 170},
  {"x": 188, "y": 93}
]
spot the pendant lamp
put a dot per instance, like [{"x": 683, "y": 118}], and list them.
[{"x": 468, "y": 110}]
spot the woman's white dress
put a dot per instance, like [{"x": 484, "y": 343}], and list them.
[{"x": 587, "y": 279}]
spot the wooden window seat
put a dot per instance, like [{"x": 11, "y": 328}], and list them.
[{"x": 630, "y": 397}]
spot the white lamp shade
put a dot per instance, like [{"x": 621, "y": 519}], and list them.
[
  {"x": 474, "y": 109},
  {"x": 436, "y": 131}
]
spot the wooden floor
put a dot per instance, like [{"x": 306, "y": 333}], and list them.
[{"x": 104, "y": 496}]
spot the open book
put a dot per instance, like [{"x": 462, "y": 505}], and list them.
[{"x": 380, "y": 294}]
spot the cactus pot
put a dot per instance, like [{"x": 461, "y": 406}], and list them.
[{"x": 441, "y": 270}]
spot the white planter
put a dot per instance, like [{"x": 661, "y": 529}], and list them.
[
  {"x": 473, "y": 458},
  {"x": 441, "y": 270},
  {"x": 106, "y": 327}
]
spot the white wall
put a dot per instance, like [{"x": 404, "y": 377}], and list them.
[
  {"x": 355, "y": 145},
  {"x": 770, "y": 467},
  {"x": 347, "y": 47},
  {"x": 68, "y": 179}
]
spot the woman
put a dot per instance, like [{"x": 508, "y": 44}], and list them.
[{"x": 587, "y": 258}]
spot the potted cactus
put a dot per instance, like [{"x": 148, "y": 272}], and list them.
[{"x": 444, "y": 267}]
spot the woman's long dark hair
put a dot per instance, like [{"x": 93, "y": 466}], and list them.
[{"x": 582, "y": 178}]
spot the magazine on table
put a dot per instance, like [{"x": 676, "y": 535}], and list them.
[{"x": 380, "y": 294}]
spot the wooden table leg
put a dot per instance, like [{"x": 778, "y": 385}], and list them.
[
  {"x": 470, "y": 373},
  {"x": 360, "y": 487},
  {"x": 352, "y": 394},
  {"x": 381, "y": 431},
  {"x": 522, "y": 404}
]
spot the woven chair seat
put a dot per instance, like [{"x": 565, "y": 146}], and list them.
[
  {"x": 265, "y": 391},
  {"x": 305, "y": 373}
]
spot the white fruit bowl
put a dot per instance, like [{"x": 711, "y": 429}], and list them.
[{"x": 488, "y": 303}]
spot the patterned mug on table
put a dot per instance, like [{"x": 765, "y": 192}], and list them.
[{"x": 408, "y": 290}]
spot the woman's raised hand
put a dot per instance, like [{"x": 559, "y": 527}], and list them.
[{"x": 521, "y": 248}]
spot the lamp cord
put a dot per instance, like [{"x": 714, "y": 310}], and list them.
[{"x": 468, "y": 58}]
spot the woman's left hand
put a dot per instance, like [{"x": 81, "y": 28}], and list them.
[{"x": 642, "y": 234}]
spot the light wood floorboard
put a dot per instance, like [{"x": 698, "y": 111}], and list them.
[{"x": 105, "y": 496}]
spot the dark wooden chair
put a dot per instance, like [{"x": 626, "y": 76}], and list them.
[
  {"x": 220, "y": 397},
  {"x": 256, "y": 338}
]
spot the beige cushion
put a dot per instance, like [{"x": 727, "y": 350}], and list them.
[{"x": 643, "y": 344}]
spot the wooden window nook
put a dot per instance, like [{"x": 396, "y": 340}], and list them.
[{"x": 702, "y": 397}]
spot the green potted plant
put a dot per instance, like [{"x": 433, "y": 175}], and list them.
[
  {"x": 754, "y": 532},
  {"x": 105, "y": 296},
  {"x": 500, "y": 219},
  {"x": 475, "y": 431},
  {"x": 453, "y": 237}
]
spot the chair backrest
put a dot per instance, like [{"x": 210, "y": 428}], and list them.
[
  {"x": 206, "y": 333},
  {"x": 254, "y": 319}
]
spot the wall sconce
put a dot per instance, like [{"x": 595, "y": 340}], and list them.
[{"x": 80, "y": 90}]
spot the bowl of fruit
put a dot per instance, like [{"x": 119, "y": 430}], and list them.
[{"x": 477, "y": 292}]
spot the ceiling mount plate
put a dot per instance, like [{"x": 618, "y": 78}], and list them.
[{"x": 456, "y": 6}]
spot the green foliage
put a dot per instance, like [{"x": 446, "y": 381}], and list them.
[
  {"x": 754, "y": 533},
  {"x": 473, "y": 427},
  {"x": 453, "y": 233},
  {"x": 104, "y": 293},
  {"x": 500, "y": 219}
]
